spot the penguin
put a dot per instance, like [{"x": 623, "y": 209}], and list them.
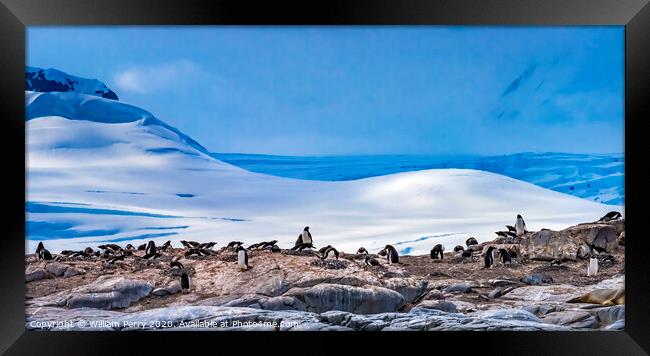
[
  {"x": 189, "y": 244},
  {"x": 511, "y": 228},
  {"x": 207, "y": 245},
  {"x": 97, "y": 253},
  {"x": 556, "y": 263},
  {"x": 520, "y": 225},
  {"x": 592, "y": 268},
  {"x": 88, "y": 252},
  {"x": 391, "y": 254},
  {"x": 117, "y": 257},
  {"x": 506, "y": 234},
  {"x": 304, "y": 237},
  {"x": 362, "y": 251},
  {"x": 185, "y": 282},
  {"x": 489, "y": 259},
  {"x": 114, "y": 247},
  {"x": 302, "y": 246},
  {"x": 437, "y": 250},
  {"x": 175, "y": 264},
  {"x": 471, "y": 241},
  {"x": 151, "y": 248},
  {"x": 107, "y": 253},
  {"x": 459, "y": 248},
  {"x": 44, "y": 254},
  {"x": 129, "y": 247},
  {"x": 242, "y": 258},
  {"x": 197, "y": 251},
  {"x": 275, "y": 248},
  {"x": 505, "y": 256},
  {"x": 151, "y": 256},
  {"x": 329, "y": 252},
  {"x": 268, "y": 244},
  {"x": 39, "y": 248},
  {"x": 234, "y": 244},
  {"x": 142, "y": 247},
  {"x": 467, "y": 253},
  {"x": 165, "y": 246},
  {"x": 323, "y": 249},
  {"x": 612, "y": 215},
  {"x": 369, "y": 261},
  {"x": 64, "y": 252}
]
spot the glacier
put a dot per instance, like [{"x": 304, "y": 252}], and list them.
[{"x": 101, "y": 170}]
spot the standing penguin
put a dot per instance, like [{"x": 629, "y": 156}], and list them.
[
  {"x": 436, "y": 251},
  {"x": 185, "y": 282},
  {"x": 242, "y": 258},
  {"x": 520, "y": 225},
  {"x": 505, "y": 256},
  {"x": 42, "y": 253},
  {"x": 391, "y": 254},
  {"x": 592, "y": 268},
  {"x": 304, "y": 237},
  {"x": 489, "y": 258},
  {"x": 151, "y": 248}
]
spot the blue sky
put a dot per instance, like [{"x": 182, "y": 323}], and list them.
[{"x": 361, "y": 90}]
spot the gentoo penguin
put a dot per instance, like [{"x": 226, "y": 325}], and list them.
[
  {"x": 151, "y": 248},
  {"x": 506, "y": 234},
  {"x": 304, "y": 237},
  {"x": 97, "y": 253},
  {"x": 592, "y": 268},
  {"x": 391, "y": 254},
  {"x": 197, "y": 251},
  {"x": 165, "y": 246},
  {"x": 189, "y": 244},
  {"x": 151, "y": 256},
  {"x": 175, "y": 264},
  {"x": 489, "y": 258},
  {"x": 268, "y": 244},
  {"x": 323, "y": 249},
  {"x": 369, "y": 261},
  {"x": 520, "y": 225},
  {"x": 129, "y": 247},
  {"x": 234, "y": 244},
  {"x": 459, "y": 248},
  {"x": 612, "y": 215},
  {"x": 64, "y": 252},
  {"x": 436, "y": 251},
  {"x": 511, "y": 228},
  {"x": 275, "y": 248},
  {"x": 471, "y": 241},
  {"x": 505, "y": 256},
  {"x": 207, "y": 245},
  {"x": 44, "y": 254},
  {"x": 242, "y": 258},
  {"x": 117, "y": 257},
  {"x": 301, "y": 247},
  {"x": 362, "y": 251},
  {"x": 329, "y": 252},
  {"x": 39, "y": 248},
  {"x": 185, "y": 282},
  {"x": 114, "y": 247},
  {"x": 142, "y": 247},
  {"x": 88, "y": 252}
]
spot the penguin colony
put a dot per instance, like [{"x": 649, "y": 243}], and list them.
[{"x": 113, "y": 253}]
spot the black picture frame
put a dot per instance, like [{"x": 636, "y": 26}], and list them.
[{"x": 15, "y": 15}]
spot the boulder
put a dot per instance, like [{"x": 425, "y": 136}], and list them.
[
  {"x": 610, "y": 315},
  {"x": 442, "y": 305},
  {"x": 536, "y": 279},
  {"x": 35, "y": 274},
  {"x": 458, "y": 288},
  {"x": 572, "y": 318},
  {"x": 410, "y": 288},
  {"x": 360, "y": 300},
  {"x": 568, "y": 244},
  {"x": 109, "y": 293}
]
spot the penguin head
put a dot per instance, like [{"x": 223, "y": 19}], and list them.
[
  {"x": 306, "y": 228},
  {"x": 518, "y": 216}
]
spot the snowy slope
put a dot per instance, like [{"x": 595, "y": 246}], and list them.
[
  {"x": 598, "y": 178},
  {"x": 52, "y": 80},
  {"x": 100, "y": 170}
]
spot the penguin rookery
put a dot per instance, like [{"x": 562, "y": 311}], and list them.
[{"x": 323, "y": 178}]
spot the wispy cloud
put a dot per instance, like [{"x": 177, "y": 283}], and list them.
[{"x": 149, "y": 79}]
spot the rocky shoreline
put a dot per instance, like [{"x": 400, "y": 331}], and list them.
[{"x": 290, "y": 290}]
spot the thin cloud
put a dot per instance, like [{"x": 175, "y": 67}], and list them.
[{"x": 149, "y": 79}]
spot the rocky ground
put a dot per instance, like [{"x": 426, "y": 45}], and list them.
[{"x": 297, "y": 291}]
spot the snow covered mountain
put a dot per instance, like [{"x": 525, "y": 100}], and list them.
[
  {"x": 49, "y": 80},
  {"x": 99, "y": 170},
  {"x": 598, "y": 178}
]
